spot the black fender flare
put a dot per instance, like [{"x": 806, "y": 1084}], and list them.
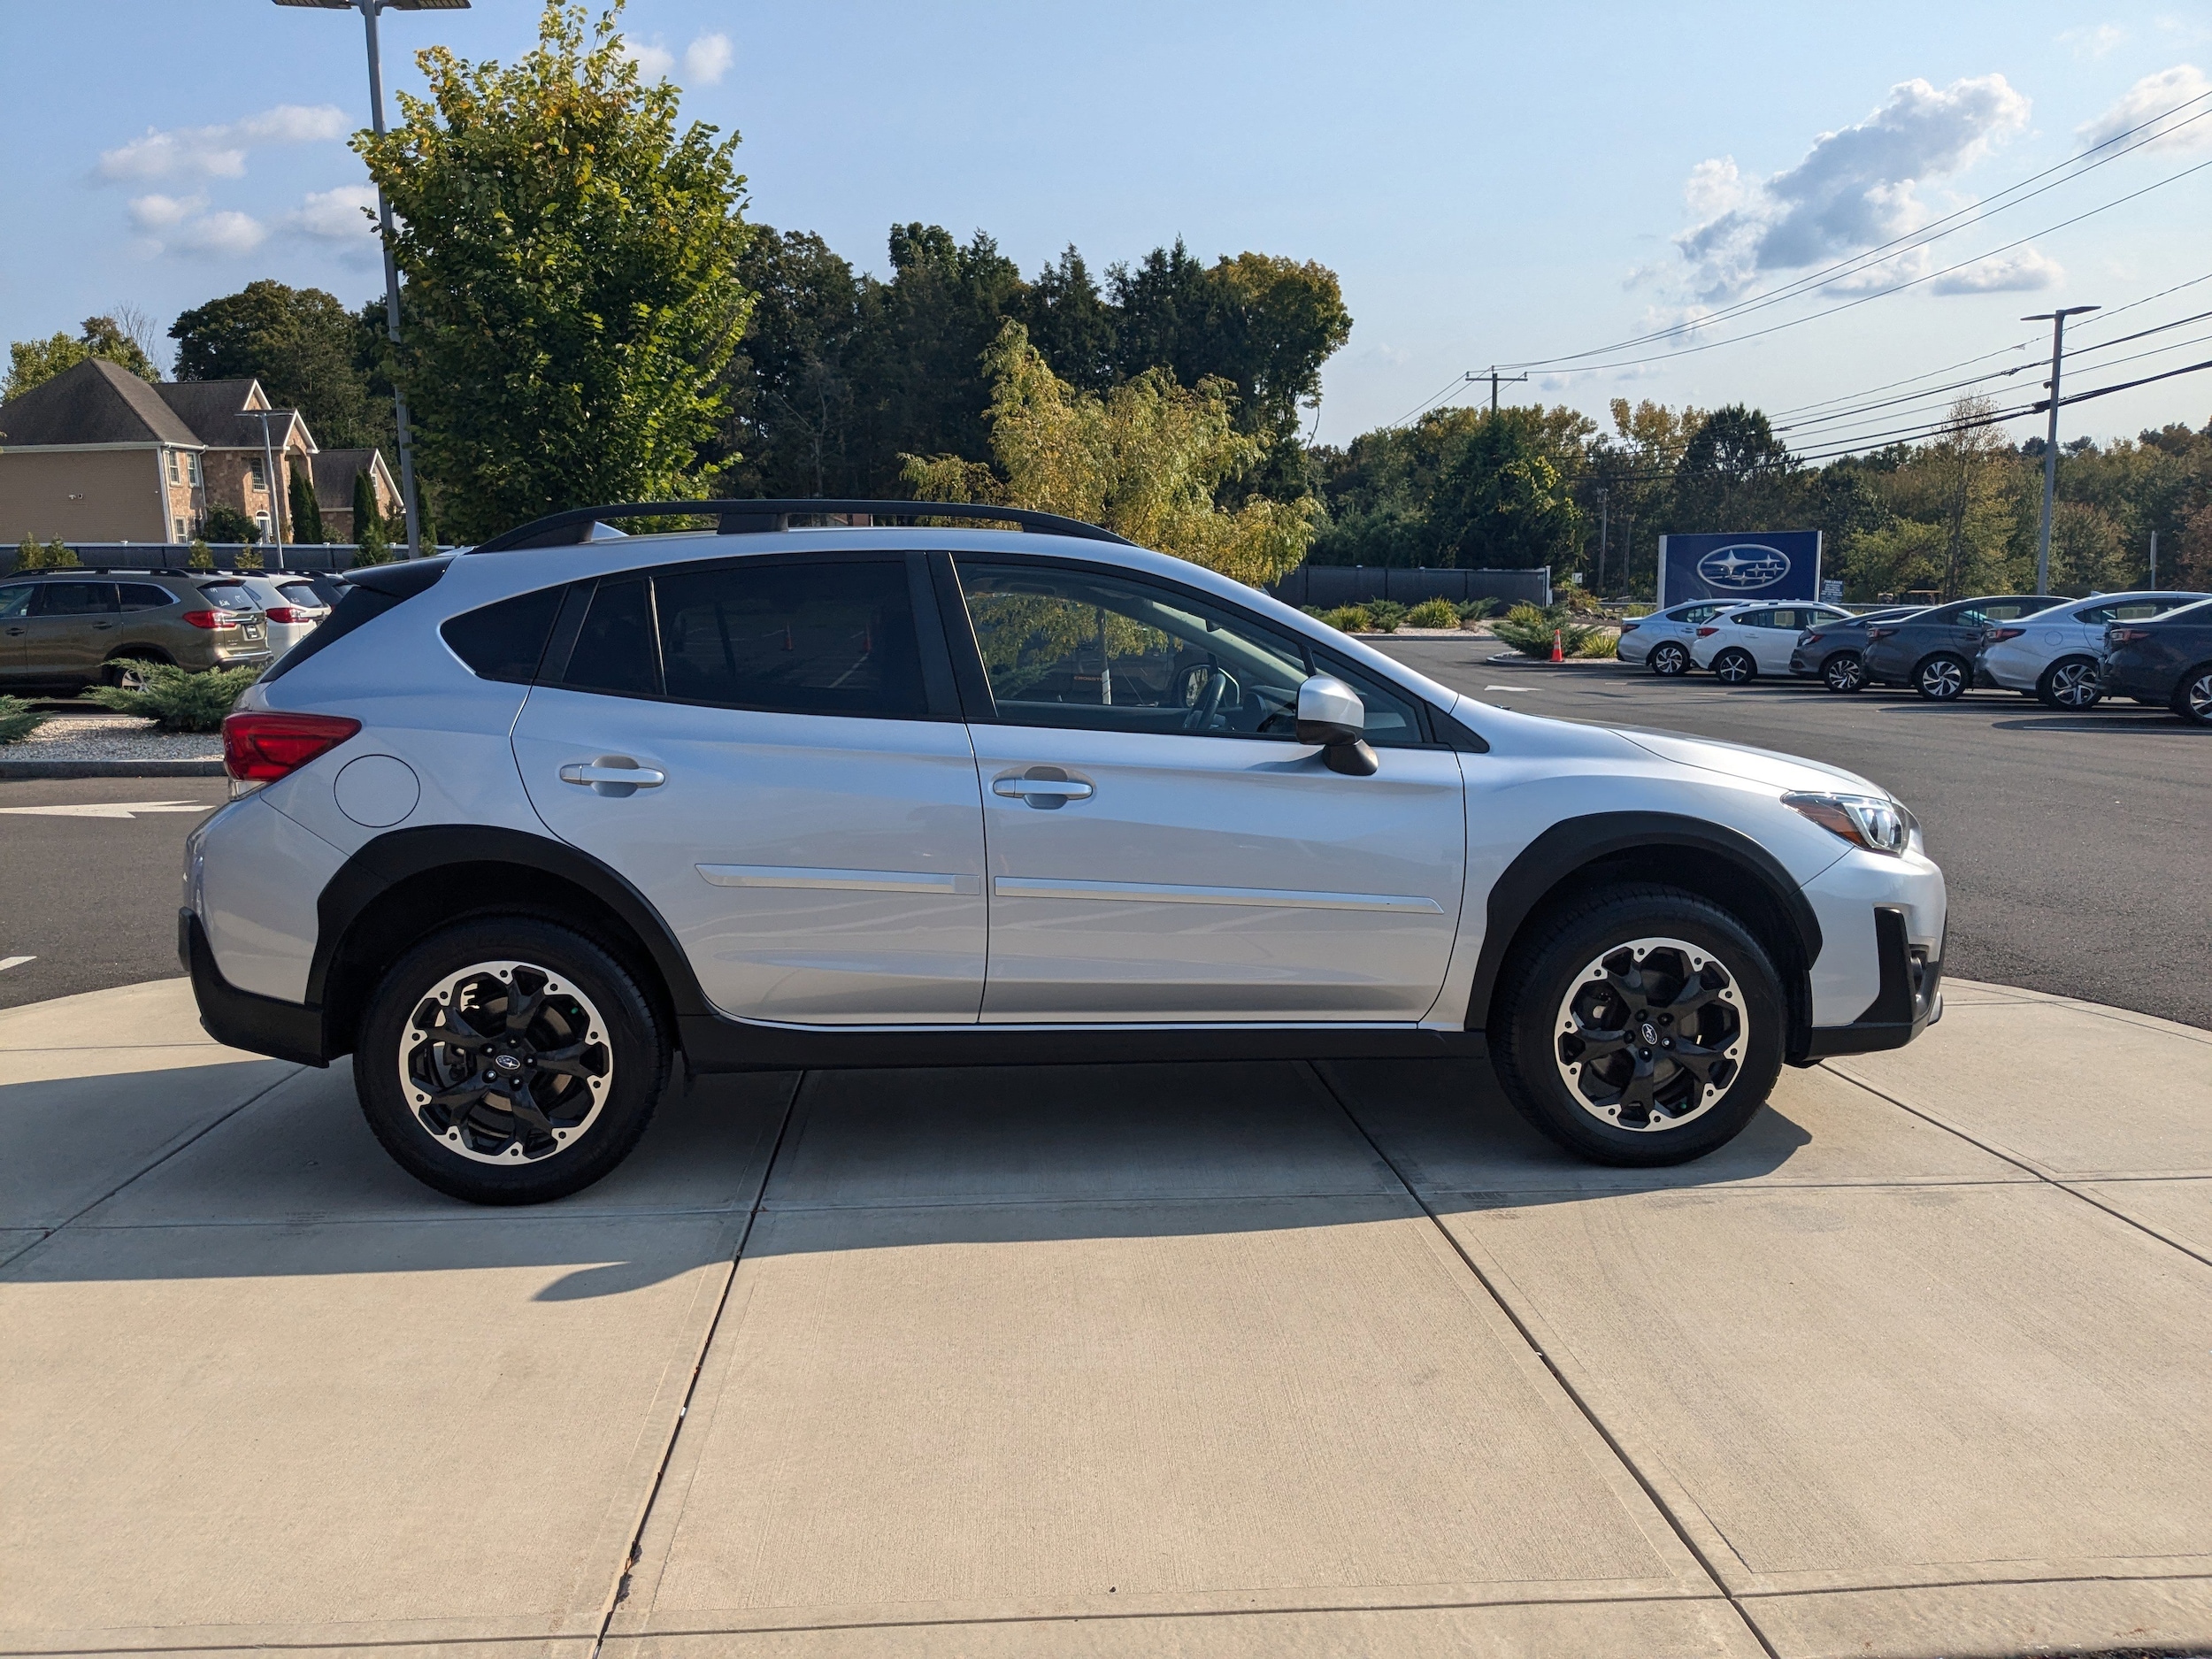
[
  {"x": 397, "y": 856},
  {"x": 1574, "y": 844}
]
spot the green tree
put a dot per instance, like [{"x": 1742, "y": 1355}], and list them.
[
  {"x": 1502, "y": 503},
  {"x": 571, "y": 265},
  {"x": 300, "y": 343},
  {"x": 306, "y": 511},
  {"x": 790, "y": 427},
  {"x": 227, "y": 523},
  {"x": 365, "y": 515},
  {"x": 1730, "y": 471},
  {"x": 33, "y": 362},
  {"x": 371, "y": 545},
  {"x": 56, "y": 554},
  {"x": 1070, "y": 321},
  {"x": 1145, "y": 460}
]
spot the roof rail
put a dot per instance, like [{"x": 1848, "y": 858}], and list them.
[{"x": 746, "y": 518}]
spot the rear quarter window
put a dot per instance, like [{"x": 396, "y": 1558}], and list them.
[
  {"x": 505, "y": 640},
  {"x": 146, "y": 596}
]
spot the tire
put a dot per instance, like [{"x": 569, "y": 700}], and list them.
[
  {"x": 123, "y": 673},
  {"x": 1942, "y": 677},
  {"x": 602, "y": 1051},
  {"x": 1844, "y": 671},
  {"x": 2069, "y": 683},
  {"x": 1735, "y": 666},
  {"x": 1630, "y": 1103},
  {"x": 2192, "y": 696},
  {"x": 1668, "y": 659}
]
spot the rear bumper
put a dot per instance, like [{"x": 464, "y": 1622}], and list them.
[
  {"x": 1910, "y": 1000},
  {"x": 243, "y": 1019},
  {"x": 2122, "y": 676}
]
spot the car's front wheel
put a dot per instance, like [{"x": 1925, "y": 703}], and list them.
[
  {"x": 1846, "y": 670},
  {"x": 2192, "y": 697},
  {"x": 1669, "y": 659},
  {"x": 509, "y": 1061},
  {"x": 1941, "y": 679},
  {"x": 1735, "y": 666},
  {"x": 1640, "y": 1025},
  {"x": 2069, "y": 683}
]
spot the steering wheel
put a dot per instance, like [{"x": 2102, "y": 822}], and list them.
[{"x": 1202, "y": 715}]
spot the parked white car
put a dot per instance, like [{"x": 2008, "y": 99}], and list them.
[
  {"x": 2051, "y": 656},
  {"x": 1662, "y": 640},
  {"x": 1757, "y": 638},
  {"x": 291, "y": 604},
  {"x": 516, "y": 826}
]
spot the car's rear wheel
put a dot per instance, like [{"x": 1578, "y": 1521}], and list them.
[
  {"x": 1735, "y": 666},
  {"x": 1846, "y": 670},
  {"x": 1640, "y": 1025},
  {"x": 1942, "y": 679},
  {"x": 126, "y": 673},
  {"x": 1668, "y": 659},
  {"x": 2069, "y": 683},
  {"x": 509, "y": 1061},
  {"x": 2192, "y": 697}
]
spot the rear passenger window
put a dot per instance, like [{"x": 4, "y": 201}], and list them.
[
  {"x": 75, "y": 599},
  {"x": 615, "y": 650},
  {"x": 824, "y": 637},
  {"x": 15, "y": 601},
  {"x": 146, "y": 596},
  {"x": 499, "y": 641}
]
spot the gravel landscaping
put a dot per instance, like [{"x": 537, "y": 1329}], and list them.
[{"x": 111, "y": 737}]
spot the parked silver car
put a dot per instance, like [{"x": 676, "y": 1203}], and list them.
[
  {"x": 1662, "y": 640},
  {"x": 2051, "y": 656}
]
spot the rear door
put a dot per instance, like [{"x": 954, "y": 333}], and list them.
[
  {"x": 70, "y": 629},
  {"x": 1162, "y": 848},
  {"x": 769, "y": 749},
  {"x": 15, "y": 628}
]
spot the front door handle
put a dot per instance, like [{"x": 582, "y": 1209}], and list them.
[
  {"x": 612, "y": 775},
  {"x": 1046, "y": 787}
]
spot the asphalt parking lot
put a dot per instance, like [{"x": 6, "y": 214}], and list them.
[{"x": 2074, "y": 845}]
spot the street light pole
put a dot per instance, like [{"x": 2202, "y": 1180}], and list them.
[
  {"x": 2057, "y": 320},
  {"x": 368, "y": 10}
]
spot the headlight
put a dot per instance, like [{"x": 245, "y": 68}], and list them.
[{"x": 1876, "y": 822}]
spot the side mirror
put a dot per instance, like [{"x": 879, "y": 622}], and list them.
[{"x": 1331, "y": 714}]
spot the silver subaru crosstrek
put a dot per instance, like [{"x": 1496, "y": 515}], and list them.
[{"x": 514, "y": 828}]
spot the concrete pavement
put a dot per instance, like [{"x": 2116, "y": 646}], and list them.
[{"x": 1210, "y": 1360}]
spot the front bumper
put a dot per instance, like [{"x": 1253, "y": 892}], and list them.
[
  {"x": 1910, "y": 1000},
  {"x": 243, "y": 1019}
]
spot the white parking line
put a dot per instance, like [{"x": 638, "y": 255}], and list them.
[
  {"x": 14, "y": 962},
  {"x": 107, "y": 808}
]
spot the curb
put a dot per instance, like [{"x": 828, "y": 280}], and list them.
[
  {"x": 1515, "y": 659},
  {"x": 13, "y": 770}
]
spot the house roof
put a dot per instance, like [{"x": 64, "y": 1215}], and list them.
[
  {"x": 217, "y": 411},
  {"x": 93, "y": 401},
  {"x": 334, "y": 471}
]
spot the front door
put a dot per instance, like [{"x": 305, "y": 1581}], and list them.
[
  {"x": 1161, "y": 847},
  {"x": 15, "y": 628},
  {"x": 804, "y": 813}
]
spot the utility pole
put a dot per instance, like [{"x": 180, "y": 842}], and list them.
[
  {"x": 277, "y": 502},
  {"x": 2154, "y": 558},
  {"x": 1602, "y": 525},
  {"x": 1492, "y": 375},
  {"x": 1628, "y": 550},
  {"x": 2057, "y": 320}
]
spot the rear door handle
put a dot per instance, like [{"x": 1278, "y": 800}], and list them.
[
  {"x": 607, "y": 778},
  {"x": 1044, "y": 786}
]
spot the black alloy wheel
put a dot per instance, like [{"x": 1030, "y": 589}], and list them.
[
  {"x": 1942, "y": 679},
  {"x": 2070, "y": 683},
  {"x": 1846, "y": 670},
  {"x": 509, "y": 1061},
  {"x": 1640, "y": 1025},
  {"x": 1669, "y": 659},
  {"x": 1735, "y": 666},
  {"x": 2192, "y": 697}
]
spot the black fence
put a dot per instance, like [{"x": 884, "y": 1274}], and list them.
[
  {"x": 1328, "y": 586},
  {"x": 309, "y": 557}
]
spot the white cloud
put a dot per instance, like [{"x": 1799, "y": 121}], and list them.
[
  {"x": 160, "y": 212},
  {"x": 707, "y": 59},
  {"x": 225, "y": 234},
  {"x": 653, "y": 62},
  {"x": 2150, "y": 97},
  {"x": 220, "y": 152},
  {"x": 2020, "y": 271},
  {"x": 2092, "y": 40},
  {"x": 1856, "y": 188},
  {"x": 338, "y": 215}
]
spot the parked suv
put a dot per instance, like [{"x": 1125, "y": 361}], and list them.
[
  {"x": 1661, "y": 640},
  {"x": 522, "y": 823},
  {"x": 1933, "y": 651},
  {"x": 290, "y": 606},
  {"x": 2167, "y": 659},
  {"x": 2051, "y": 656},
  {"x": 64, "y": 630}
]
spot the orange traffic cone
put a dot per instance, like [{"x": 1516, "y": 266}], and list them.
[{"x": 1557, "y": 655}]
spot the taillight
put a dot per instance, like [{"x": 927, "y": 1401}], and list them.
[
  {"x": 1809, "y": 638},
  {"x": 261, "y": 748},
  {"x": 211, "y": 619},
  {"x": 1629, "y": 627},
  {"x": 1701, "y": 633},
  {"x": 2125, "y": 636},
  {"x": 1873, "y": 634},
  {"x": 284, "y": 613},
  {"x": 1998, "y": 636}
]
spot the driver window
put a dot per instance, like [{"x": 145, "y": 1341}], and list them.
[{"x": 1092, "y": 649}]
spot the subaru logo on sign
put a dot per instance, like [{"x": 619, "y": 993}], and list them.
[{"x": 1743, "y": 566}]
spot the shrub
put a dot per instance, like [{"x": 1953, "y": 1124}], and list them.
[
  {"x": 1577, "y": 600},
  {"x": 227, "y": 523},
  {"x": 1350, "y": 619},
  {"x": 56, "y": 554},
  {"x": 1531, "y": 630},
  {"x": 17, "y": 720},
  {"x": 199, "y": 557},
  {"x": 1386, "y": 614},
  {"x": 1475, "y": 609},
  {"x": 1434, "y": 613},
  {"x": 248, "y": 559},
  {"x": 178, "y": 701},
  {"x": 1601, "y": 642},
  {"x": 370, "y": 547}
]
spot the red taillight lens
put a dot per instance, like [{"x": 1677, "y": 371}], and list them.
[
  {"x": 1873, "y": 634},
  {"x": 1701, "y": 633},
  {"x": 208, "y": 618},
  {"x": 1997, "y": 636},
  {"x": 262, "y": 747},
  {"x": 1629, "y": 627},
  {"x": 2125, "y": 636},
  {"x": 283, "y": 613}
]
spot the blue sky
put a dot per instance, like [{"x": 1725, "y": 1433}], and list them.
[{"x": 1491, "y": 183}]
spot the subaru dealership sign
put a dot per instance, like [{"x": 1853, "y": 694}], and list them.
[{"x": 1770, "y": 564}]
